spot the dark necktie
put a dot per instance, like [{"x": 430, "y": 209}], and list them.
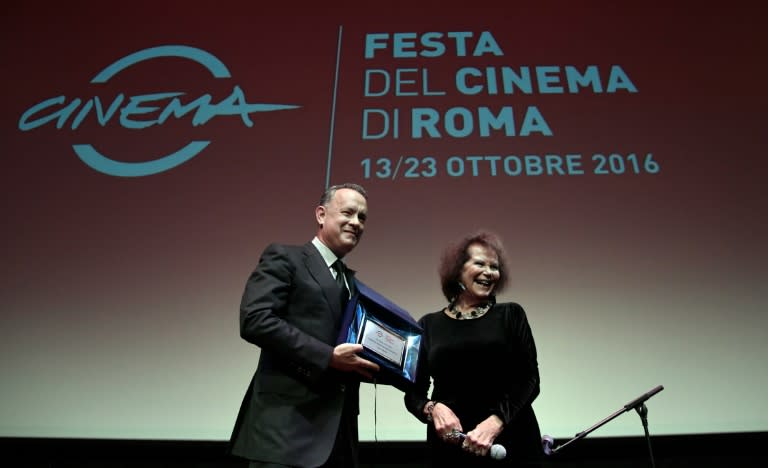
[{"x": 338, "y": 265}]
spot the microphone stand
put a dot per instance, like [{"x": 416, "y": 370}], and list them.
[
  {"x": 642, "y": 410},
  {"x": 638, "y": 404}
]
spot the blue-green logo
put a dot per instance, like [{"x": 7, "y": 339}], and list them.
[{"x": 133, "y": 108}]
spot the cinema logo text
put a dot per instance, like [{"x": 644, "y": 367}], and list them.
[{"x": 139, "y": 112}]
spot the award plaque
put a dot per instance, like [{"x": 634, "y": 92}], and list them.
[{"x": 390, "y": 336}]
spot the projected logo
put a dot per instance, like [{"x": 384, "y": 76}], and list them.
[{"x": 132, "y": 111}]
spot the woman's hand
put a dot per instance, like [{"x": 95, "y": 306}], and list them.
[
  {"x": 446, "y": 423},
  {"x": 480, "y": 439}
]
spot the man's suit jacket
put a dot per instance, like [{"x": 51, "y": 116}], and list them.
[{"x": 291, "y": 309}]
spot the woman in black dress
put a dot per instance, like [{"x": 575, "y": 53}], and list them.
[{"x": 481, "y": 358}]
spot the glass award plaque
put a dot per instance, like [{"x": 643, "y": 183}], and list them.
[{"x": 390, "y": 336}]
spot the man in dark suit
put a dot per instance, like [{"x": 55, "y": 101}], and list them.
[{"x": 301, "y": 407}]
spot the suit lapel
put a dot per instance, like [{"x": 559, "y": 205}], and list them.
[
  {"x": 351, "y": 281},
  {"x": 320, "y": 272}
]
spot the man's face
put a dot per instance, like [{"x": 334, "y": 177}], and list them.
[{"x": 342, "y": 222}]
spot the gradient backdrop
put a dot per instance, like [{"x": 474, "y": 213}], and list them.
[{"x": 644, "y": 266}]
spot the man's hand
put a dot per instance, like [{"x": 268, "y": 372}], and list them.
[{"x": 345, "y": 359}]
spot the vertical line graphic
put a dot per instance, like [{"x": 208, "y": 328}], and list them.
[{"x": 333, "y": 111}]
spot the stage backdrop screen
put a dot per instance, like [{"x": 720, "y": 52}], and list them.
[{"x": 152, "y": 150}]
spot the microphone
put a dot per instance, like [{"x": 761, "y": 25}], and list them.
[
  {"x": 642, "y": 398},
  {"x": 497, "y": 451},
  {"x": 547, "y": 442}
]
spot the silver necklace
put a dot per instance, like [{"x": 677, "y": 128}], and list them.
[{"x": 476, "y": 312}]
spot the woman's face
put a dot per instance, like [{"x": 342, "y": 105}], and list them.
[{"x": 480, "y": 273}]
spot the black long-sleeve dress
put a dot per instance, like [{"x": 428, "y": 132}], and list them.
[{"x": 479, "y": 367}]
